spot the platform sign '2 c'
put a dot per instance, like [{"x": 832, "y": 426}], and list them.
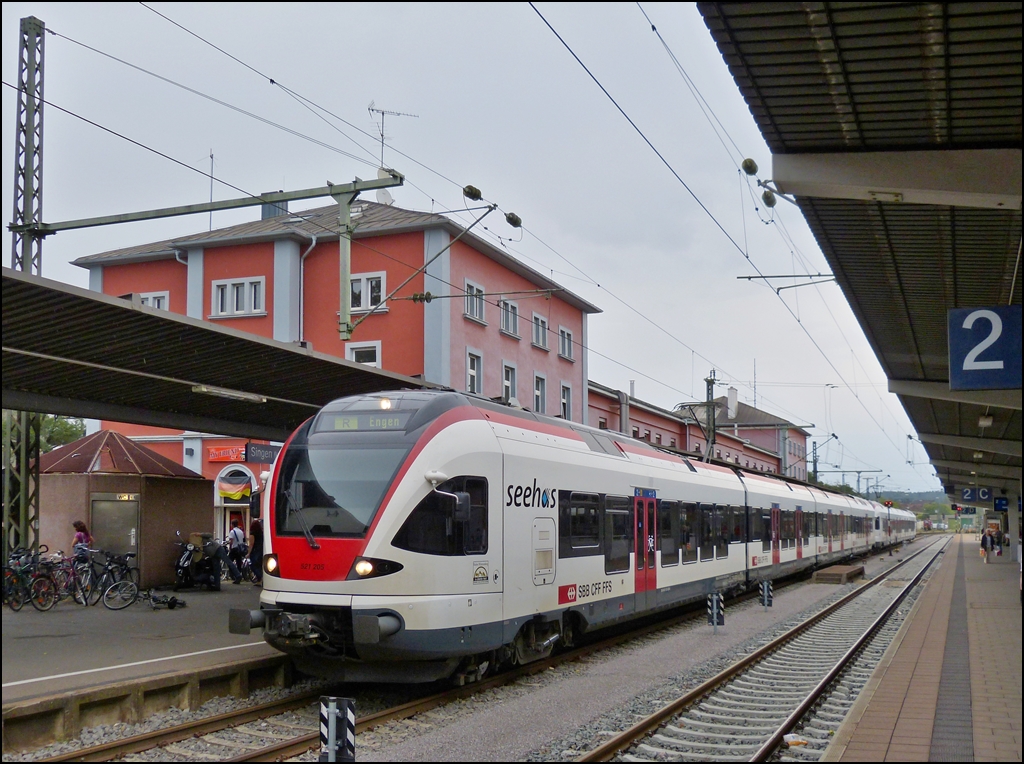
[{"x": 984, "y": 348}]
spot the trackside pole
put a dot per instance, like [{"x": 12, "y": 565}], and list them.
[
  {"x": 716, "y": 611},
  {"x": 766, "y": 594},
  {"x": 337, "y": 729}
]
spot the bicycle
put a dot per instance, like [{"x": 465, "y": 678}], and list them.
[
  {"x": 24, "y": 580},
  {"x": 117, "y": 568},
  {"x": 122, "y": 594}
]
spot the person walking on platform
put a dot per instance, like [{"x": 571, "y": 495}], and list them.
[
  {"x": 988, "y": 543},
  {"x": 82, "y": 540},
  {"x": 236, "y": 547},
  {"x": 256, "y": 549}
]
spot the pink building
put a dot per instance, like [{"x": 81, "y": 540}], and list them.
[{"x": 493, "y": 326}]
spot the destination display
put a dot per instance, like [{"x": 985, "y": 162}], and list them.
[{"x": 370, "y": 421}]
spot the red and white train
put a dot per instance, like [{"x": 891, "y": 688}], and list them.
[{"x": 418, "y": 535}]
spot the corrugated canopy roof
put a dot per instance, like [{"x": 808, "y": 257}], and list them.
[
  {"x": 937, "y": 88},
  {"x": 110, "y": 452},
  {"x": 58, "y": 357}
]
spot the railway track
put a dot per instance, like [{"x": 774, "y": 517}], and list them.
[
  {"x": 287, "y": 728},
  {"x": 745, "y": 712}
]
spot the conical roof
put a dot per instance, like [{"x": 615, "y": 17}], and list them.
[{"x": 110, "y": 452}]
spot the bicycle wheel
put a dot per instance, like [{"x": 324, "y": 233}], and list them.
[
  {"x": 120, "y": 595},
  {"x": 16, "y": 596},
  {"x": 99, "y": 587},
  {"x": 81, "y": 585},
  {"x": 43, "y": 593}
]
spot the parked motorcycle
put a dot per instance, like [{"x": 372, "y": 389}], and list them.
[{"x": 198, "y": 562}]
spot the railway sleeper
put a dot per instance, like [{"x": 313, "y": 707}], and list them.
[
  {"x": 728, "y": 718},
  {"x": 674, "y": 731},
  {"x": 662, "y": 754},
  {"x": 700, "y": 745},
  {"x": 712, "y": 726}
]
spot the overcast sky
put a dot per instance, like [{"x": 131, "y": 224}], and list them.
[{"x": 500, "y": 103}]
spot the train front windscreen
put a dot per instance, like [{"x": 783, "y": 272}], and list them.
[{"x": 337, "y": 468}]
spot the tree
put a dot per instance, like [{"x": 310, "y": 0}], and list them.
[{"x": 55, "y": 431}]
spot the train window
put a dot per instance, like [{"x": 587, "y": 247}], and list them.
[
  {"x": 617, "y": 526},
  {"x": 431, "y": 529},
  {"x": 722, "y": 521},
  {"x": 766, "y": 530},
  {"x": 579, "y": 524},
  {"x": 737, "y": 524},
  {"x": 808, "y": 529},
  {"x": 668, "y": 531},
  {"x": 788, "y": 530},
  {"x": 689, "y": 531},
  {"x": 754, "y": 519},
  {"x": 707, "y": 531}
]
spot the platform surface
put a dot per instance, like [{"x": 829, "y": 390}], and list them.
[
  {"x": 949, "y": 687},
  {"x": 72, "y": 647}
]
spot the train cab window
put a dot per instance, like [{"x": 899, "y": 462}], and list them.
[
  {"x": 618, "y": 533},
  {"x": 689, "y": 531},
  {"x": 579, "y": 524},
  {"x": 668, "y": 532},
  {"x": 433, "y": 529},
  {"x": 878, "y": 523},
  {"x": 706, "y": 543},
  {"x": 722, "y": 519}
]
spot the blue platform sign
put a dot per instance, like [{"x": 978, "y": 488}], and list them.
[
  {"x": 976, "y": 494},
  {"x": 984, "y": 348},
  {"x": 1002, "y": 504}
]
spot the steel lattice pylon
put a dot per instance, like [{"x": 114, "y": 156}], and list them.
[{"x": 22, "y": 429}]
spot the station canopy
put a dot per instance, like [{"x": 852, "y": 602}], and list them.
[
  {"x": 70, "y": 351},
  {"x": 897, "y": 128}
]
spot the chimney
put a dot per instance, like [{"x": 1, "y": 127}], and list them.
[
  {"x": 733, "y": 404},
  {"x": 275, "y": 210}
]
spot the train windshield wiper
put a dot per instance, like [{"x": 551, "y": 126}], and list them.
[{"x": 293, "y": 510}]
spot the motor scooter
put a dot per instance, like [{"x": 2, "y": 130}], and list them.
[{"x": 198, "y": 562}]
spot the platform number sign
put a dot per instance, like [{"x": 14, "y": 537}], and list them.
[{"x": 984, "y": 348}]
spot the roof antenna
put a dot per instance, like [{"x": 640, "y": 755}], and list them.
[{"x": 384, "y": 113}]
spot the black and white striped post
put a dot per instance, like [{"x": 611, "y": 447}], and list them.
[
  {"x": 337, "y": 729},
  {"x": 716, "y": 611},
  {"x": 766, "y": 594}
]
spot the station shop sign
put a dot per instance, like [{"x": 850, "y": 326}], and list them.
[{"x": 225, "y": 453}]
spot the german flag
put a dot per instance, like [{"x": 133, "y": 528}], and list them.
[{"x": 235, "y": 487}]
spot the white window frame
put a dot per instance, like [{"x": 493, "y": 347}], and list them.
[
  {"x": 540, "y": 396},
  {"x": 509, "y": 391},
  {"x": 351, "y": 347},
  {"x": 151, "y": 298},
  {"x": 476, "y": 375},
  {"x": 540, "y": 331},
  {"x": 475, "y": 302},
  {"x": 565, "y": 401},
  {"x": 509, "y": 327},
  {"x": 230, "y": 290},
  {"x": 565, "y": 343},
  {"x": 364, "y": 290}
]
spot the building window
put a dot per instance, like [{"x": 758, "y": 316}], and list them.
[
  {"x": 510, "y": 318},
  {"x": 657, "y": 438},
  {"x": 636, "y": 433},
  {"x": 566, "y": 402},
  {"x": 474, "y": 373},
  {"x": 540, "y": 331},
  {"x": 602, "y": 424},
  {"x": 239, "y": 297},
  {"x": 672, "y": 443},
  {"x": 540, "y": 394},
  {"x": 158, "y": 300},
  {"x": 367, "y": 353},
  {"x": 474, "y": 301},
  {"x": 508, "y": 384},
  {"x": 368, "y": 289},
  {"x": 565, "y": 343}
]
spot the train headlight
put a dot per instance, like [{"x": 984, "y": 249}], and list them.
[
  {"x": 371, "y": 567},
  {"x": 270, "y": 564}
]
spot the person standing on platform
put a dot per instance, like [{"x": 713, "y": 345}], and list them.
[
  {"x": 236, "y": 548},
  {"x": 82, "y": 540},
  {"x": 988, "y": 543},
  {"x": 256, "y": 549}
]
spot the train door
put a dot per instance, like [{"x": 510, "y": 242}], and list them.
[
  {"x": 645, "y": 522},
  {"x": 842, "y": 530},
  {"x": 776, "y": 534},
  {"x": 828, "y": 528},
  {"x": 799, "y": 533}
]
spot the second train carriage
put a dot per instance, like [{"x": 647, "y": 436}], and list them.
[{"x": 418, "y": 534}]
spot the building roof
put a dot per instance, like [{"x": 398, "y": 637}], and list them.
[
  {"x": 110, "y": 452},
  {"x": 369, "y": 219}
]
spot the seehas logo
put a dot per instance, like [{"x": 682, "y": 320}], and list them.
[{"x": 530, "y": 496}]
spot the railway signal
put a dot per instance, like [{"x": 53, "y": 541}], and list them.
[
  {"x": 337, "y": 729},
  {"x": 716, "y": 611},
  {"x": 766, "y": 594}
]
